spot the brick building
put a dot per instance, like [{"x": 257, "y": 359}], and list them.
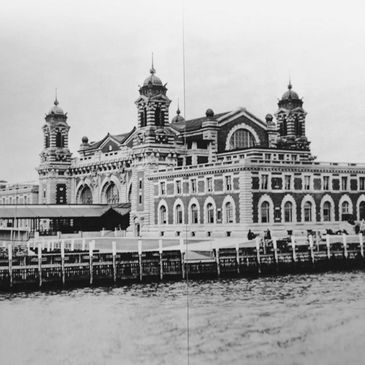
[{"x": 217, "y": 175}]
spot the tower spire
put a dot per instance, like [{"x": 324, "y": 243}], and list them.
[
  {"x": 152, "y": 67},
  {"x": 55, "y": 99},
  {"x": 290, "y": 86},
  {"x": 178, "y": 107}
]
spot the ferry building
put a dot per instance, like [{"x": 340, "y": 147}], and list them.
[{"x": 217, "y": 175}]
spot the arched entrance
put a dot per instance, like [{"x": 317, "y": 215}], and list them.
[
  {"x": 362, "y": 210},
  {"x": 85, "y": 195},
  {"x": 111, "y": 194}
]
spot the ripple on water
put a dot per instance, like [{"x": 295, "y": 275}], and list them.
[{"x": 294, "y": 319}]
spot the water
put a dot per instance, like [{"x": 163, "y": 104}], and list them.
[{"x": 302, "y": 319}]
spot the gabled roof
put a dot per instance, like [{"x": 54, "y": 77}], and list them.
[
  {"x": 193, "y": 124},
  {"x": 118, "y": 138}
]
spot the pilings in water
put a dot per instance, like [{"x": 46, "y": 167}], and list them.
[{"x": 66, "y": 264}]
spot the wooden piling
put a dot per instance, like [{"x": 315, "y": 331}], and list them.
[
  {"x": 40, "y": 264},
  {"x": 311, "y": 248},
  {"x": 361, "y": 240},
  {"x": 238, "y": 257},
  {"x": 257, "y": 240},
  {"x": 63, "y": 262},
  {"x": 160, "y": 250},
  {"x": 140, "y": 260},
  {"x": 217, "y": 262},
  {"x": 344, "y": 241},
  {"x": 91, "y": 252},
  {"x": 10, "y": 258},
  {"x": 328, "y": 246},
  {"x": 275, "y": 247},
  {"x": 182, "y": 252},
  {"x": 114, "y": 256},
  {"x": 294, "y": 254}
]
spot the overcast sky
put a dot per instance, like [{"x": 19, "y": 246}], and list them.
[{"x": 238, "y": 53}]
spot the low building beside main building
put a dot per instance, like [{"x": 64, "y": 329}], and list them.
[{"x": 216, "y": 175}]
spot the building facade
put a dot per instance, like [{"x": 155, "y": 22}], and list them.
[{"x": 217, "y": 175}]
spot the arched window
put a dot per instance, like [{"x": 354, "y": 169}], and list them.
[
  {"x": 112, "y": 194},
  {"x": 143, "y": 116},
  {"x": 194, "y": 214},
  {"x": 308, "y": 212},
  {"x": 86, "y": 196},
  {"x": 130, "y": 194},
  {"x": 265, "y": 212},
  {"x": 288, "y": 212},
  {"x": 326, "y": 214},
  {"x": 163, "y": 215},
  {"x": 159, "y": 117},
  {"x": 345, "y": 209},
  {"x": 229, "y": 212},
  {"x": 179, "y": 214},
  {"x": 242, "y": 138},
  {"x": 210, "y": 213},
  {"x": 60, "y": 140}
]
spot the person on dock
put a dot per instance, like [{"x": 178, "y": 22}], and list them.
[{"x": 250, "y": 235}]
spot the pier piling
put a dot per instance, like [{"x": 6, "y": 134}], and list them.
[
  {"x": 114, "y": 257},
  {"x": 10, "y": 258},
  {"x": 40, "y": 264}
]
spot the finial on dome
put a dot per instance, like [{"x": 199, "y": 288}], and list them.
[
  {"x": 178, "y": 107},
  {"x": 152, "y": 67},
  {"x": 290, "y": 86},
  {"x": 55, "y": 99}
]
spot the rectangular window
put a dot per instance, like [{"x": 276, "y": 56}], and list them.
[
  {"x": 307, "y": 182},
  {"x": 193, "y": 186},
  {"x": 264, "y": 181},
  {"x": 287, "y": 185},
  {"x": 140, "y": 198},
  {"x": 209, "y": 184},
  {"x": 61, "y": 194},
  {"x": 326, "y": 182},
  {"x": 362, "y": 183},
  {"x": 228, "y": 180},
  {"x": 344, "y": 182},
  {"x": 162, "y": 188},
  {"x": 178, "y": 187},
  {"x": 140, "y": 183}
]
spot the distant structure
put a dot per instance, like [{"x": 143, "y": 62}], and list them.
[{"x": 216, "y": 175}]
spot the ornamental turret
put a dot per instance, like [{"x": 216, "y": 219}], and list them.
[
  {"x": 153, "y": 104},
  {"x": 291, "y": 121},
  {"x": 55, "y": 158}
]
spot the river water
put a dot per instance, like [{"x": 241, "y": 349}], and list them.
[{"x": 295, "y": 319}]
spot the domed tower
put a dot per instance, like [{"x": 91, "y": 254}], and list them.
[
  {"x": 291, "y": 121},
  {"x": 54, "y": 180},
  {"x": 153, "y": 147},
  {"x": 153, "y": 108}
]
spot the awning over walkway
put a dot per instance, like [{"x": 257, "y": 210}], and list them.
[{"x": 61, "y": 211}]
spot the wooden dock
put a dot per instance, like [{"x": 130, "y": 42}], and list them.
[{"x": 39, "y": 267}]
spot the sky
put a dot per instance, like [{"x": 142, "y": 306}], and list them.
[{"x": 237, "y": 54}]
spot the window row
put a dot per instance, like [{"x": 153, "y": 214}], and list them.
[
  {"x": 287, "y": 213},
  {"x": 15, "y": 200},
  {"x": 310, "y": 182},
  {"x": 208, "y": 186},
  {"x": 211, "y": 214}
]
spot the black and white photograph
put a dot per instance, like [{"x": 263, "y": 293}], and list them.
[{"x": 182, "y": 182}]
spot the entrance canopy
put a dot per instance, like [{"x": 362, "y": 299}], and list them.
[{"x": 61, "y": 211}]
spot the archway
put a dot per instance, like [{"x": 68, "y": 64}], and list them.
[{"x": 362, "y": 210}]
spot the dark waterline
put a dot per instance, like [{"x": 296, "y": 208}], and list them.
[{"x": 294, "y": 319}]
